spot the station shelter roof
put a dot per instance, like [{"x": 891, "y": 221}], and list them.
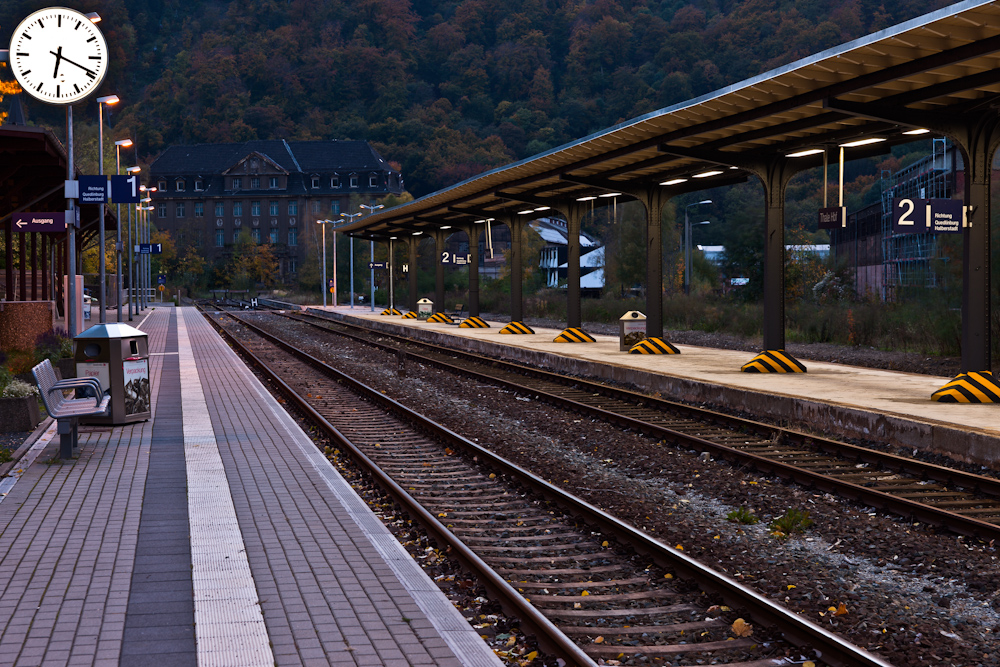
[{"x": 944, "y": 62}]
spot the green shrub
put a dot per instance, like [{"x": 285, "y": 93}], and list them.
[
  {"x": 742, "y": 515},
  {"x": 792, "y": 521},
  {"x": 19, "y": 389}
]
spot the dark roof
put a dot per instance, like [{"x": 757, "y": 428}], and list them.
[{"x": 294, "y": 156}]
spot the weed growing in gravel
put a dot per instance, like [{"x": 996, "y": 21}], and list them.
[
  {"x": 742, "y": 515},
  {"x": 792, "y": 521}
]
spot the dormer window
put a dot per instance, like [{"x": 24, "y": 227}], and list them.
[
  {"x": 237, "y": 183},
  {"x": 199, "y": 185},
  {"x": 354, "y": 180},
  {"x": 315, "y": 181},
  {"x": 161, "y": 186},
  {"x": 255, "y": 182},
  {"x": 335, "y": 181},
  {"x": 273, "y": 183},
  {"x": 179, "y": 185}
]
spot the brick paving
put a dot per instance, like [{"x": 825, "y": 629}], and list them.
[{"x": 93, "y": 566}]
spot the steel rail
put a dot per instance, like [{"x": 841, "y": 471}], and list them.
[
  {"x": 832, "y": 649},
  {"x": 879, "y": 499}
]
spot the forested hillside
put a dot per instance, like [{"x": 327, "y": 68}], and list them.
[{"x": 446, "y": 89}]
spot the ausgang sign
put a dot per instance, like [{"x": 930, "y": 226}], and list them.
[{"x": 40, "y": 222}]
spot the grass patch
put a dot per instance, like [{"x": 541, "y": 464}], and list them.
[
  {"x": 743, "y": 516},
  {"x": 791, "y": 522}
]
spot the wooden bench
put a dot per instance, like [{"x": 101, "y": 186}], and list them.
[
  {"x": 67, "y": 410},
  {"x": 457, "y": 312}
]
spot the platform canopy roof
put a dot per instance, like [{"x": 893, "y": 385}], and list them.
[{"x": 940, "y": 65}]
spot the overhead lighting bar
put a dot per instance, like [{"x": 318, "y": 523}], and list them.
[
  {"x": 920, "y": 130},
  {"x": 417, "y": 233},
  {"x": 706, "y": 174},
  {"x": 611, "y": 194},
  {"x": 863, "y": 142},
  {"x": 445, "y": 227},
  {"x": 586, "y": 198},
  {"x": 674, "y": 181},
  {"x": 808, "y": 151},
  {"x": 526, "y": 212},
  {"x": 543, "y": 208}
]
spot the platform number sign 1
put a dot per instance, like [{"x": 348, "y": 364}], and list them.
[{"x": 125, "y": 189}]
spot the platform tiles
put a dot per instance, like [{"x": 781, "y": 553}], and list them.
[{"x": 214, "y": 534}]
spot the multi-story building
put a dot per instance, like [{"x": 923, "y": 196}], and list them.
[{"x": 271, "y": 189}]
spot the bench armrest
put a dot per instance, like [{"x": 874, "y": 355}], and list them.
[{"x": 79, "y": 383}]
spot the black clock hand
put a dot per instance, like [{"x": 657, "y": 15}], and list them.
[
  {"x": 85, "y": 69},
  {"x": 58, "y": 56}
]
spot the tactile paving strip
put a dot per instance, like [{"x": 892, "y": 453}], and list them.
[{"x": 229, "y": 625}]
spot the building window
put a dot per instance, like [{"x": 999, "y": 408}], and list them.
[
  {"x": 291, "y": 265},
  {"x": 293, "y": 237},
  {"x": 335, "y": 181},
  {"x": 237, "y": 183},
  {"x": 236, "y": 236},
  {"x": 180, "y": 210},
  {"x": 161, "y": 210},
  {"x": 255, "y": 182},
  {"x": 293, "y": 208},
  {"x": 315, "y": 206},
  {"x": 315, "y": 181},
  {"x": 274, "y": 234},
  {"x": 220, "y": 238},
  {"x": 255, "y": 208},
  {"x": 373, "y": 181},
  {"x": 161, "y": 186},
  {"x": 335, "y": 207},
  {"x": 199, "y": 209},
  {"x": 255, "y": 235},
  {"x": 179, "y": 185},
  {"x": 354, "y": 180},
  {"x": 274, "y": 208},
  {"x": 237, "y": 208},
  {"x": 219, "y": 209}
]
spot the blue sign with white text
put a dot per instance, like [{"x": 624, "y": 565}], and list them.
[
  {"x": 125, "y": 189},
  {"x": 93, "y": 189},
  {"x": 150, "y": 248}
]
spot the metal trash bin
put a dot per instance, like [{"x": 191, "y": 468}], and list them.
[
  {"x": 118, "y": 356},
  {"x": 633, "y": 329},
  {"x": 425, "y": 308}
]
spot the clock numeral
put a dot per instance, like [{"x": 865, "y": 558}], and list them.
[
  {"x": 21, "y": 53},
  {"x": 94, "y": 57},
  {"x": 78, "y": 24},
  {"x": 57, "y": 91},
  {"x": 91, "y": 75},
  {"x": 27, "y": 36},
  {"x": 76, "y": 88},
  {"x": 91, "y": 40},
  {"x": 59, "y": 21},
  {"x": 40, "y": 24},
  {"x": 26, "y": 73},
  {"x": 39, "y": 89}
]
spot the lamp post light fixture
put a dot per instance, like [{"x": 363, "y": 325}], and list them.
[
  {"x": 687, "y": 243},
  {"x": 102, "y": 289},
  {"x": 324, "y": 223},
  {"x": 118, "y": 243},
  {"x": 372, "y": 209},
  {"x": 350, "y": 218}
]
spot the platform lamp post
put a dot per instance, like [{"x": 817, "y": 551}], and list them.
[
  {"x": 687, "y": 243},
  {"x": 372, "y": 209},
  {"x": 350, "y": 218},
  {"x": 128, "y": 245},
  {"x": 118, "y": 243},
  {"x": 102, "y": 289}
]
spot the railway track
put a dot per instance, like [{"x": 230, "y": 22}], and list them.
[
  {"x": 589, "y": 586},
  {"x": 963, "y": 502}
]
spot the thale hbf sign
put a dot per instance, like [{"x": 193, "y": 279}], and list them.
[
  {"x": 834, "y": 217},
  {"x": 40, "y": 222},
  {"x": 938, "y": 216}
]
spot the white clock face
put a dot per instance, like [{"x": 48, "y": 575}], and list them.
[{"x": 58, "y": 55}]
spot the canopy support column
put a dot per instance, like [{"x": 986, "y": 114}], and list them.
[
  {"x": 411, "y": 297},
  {"x": 439, "y": 239},
  {"x": 473, "y": 233}
]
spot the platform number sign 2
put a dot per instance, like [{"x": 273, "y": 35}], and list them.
[
  {"x": 939, "y": 216},
  {"x": 454, "y": 258}
]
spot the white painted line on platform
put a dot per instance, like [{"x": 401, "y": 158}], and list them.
[{"x": 229, "y": 626}]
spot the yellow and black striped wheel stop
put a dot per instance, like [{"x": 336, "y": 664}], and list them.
[
  {"x": 473, "y": 323},
  {"x": 517, "y": 328},
  {"x": 977, "y": 387},
  {"x": 410, "y": 316},
  {"x": 574, "y": 335},
  {"x": 440, "y": 318},
  {"x": 774, "y": 361},
  {"x": 391, "y": 311},
  {"x": 653, "y": 345}
]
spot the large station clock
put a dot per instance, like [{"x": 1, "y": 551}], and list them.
[{"x": 58, "y": 55}]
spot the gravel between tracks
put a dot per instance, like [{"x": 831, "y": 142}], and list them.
[{"x": 914, "y": 595}]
